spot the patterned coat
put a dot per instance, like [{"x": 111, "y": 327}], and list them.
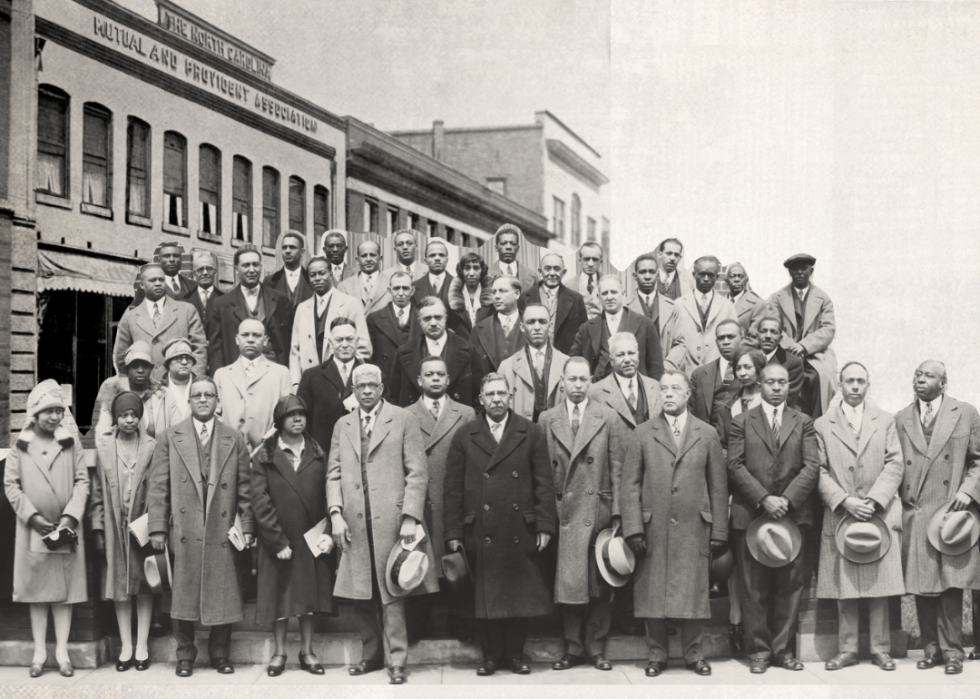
[
  {"x": 934, "y": 473},
  {"x": 677, "y": 496},
  {"x": 869, "y": 467},
  {"x": 178, "y": 319},
  {"x": 587, "y": 469}
]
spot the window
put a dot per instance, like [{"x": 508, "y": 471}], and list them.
[
  {"x": 174, "y": 179},
  {"x": 241, "y": 198},
  {"x": 432, "y": 228},
  {"x": 559, "y": 222},
  {"x": 96, "y": 159},
  {"x": 370, "y": 216},
  {"x": 605, "y": 235},
  {"x": 138, "y": 168},
  {"x": 297, "y": 205},
  {"x": 590, "y": 229},
  {"x": 392, "y": 221},
  {"x": 576, "y": 223},
  {"x": 270, "y": 207},
  {"x": 498, "y": 185},
  {"x": 52, "y": 142},
  {"x": 321, "y": 210},
  {"x": 209, "y": 194},
  {"x": 413, "y": 221}
]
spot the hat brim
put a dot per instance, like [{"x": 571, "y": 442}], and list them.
[
  {"x": 158, "y": 572},
  {"x": 610, "y": 576},
  {"x": 394, "y": 589},
  {"x": 932, "y": 532},
  {"x": 720, "y": 567},
  {"x": 875, "y": 554},
  {"x": 759, "y": 554},
  {"x": 460, "y": 562}
]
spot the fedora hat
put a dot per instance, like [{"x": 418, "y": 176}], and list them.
[
  {"x": 407, "y": 566},
  {"x": 614, "y": 558},
  {"x": 456, "y": 568},
  {"x": 721, "y": 566},
  {"x": 156, "y": 568},
  {"x": 862, "y": 542},
  {"x": 773, "y": 542},
  {"x": 953, "y": 533}
]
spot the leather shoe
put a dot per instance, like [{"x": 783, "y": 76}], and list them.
[
  {"x": 123, "y": 665},
  {"x": 954, "y": 666},
  {"x": 599, "y": 662},
  {"x": 37, "y": 669},
  {"x": 487, "y": 668},
  {"x": 223, "y": 666},
  {"x": 519, "y": 667},
  {"x": 842, "y": 660},
  {"x": 974, "y": 654},
  {"x": 314, "y": 667},
  {"x": 883, "y": 660},
  {"x": 788, "y": 662},
  {"x": 275, "y": 669},
  {"x": 736, "y": 638},
  {"x": 142, "y": 665},
  {"x": 929, "y": 662},
  {"x": 700, "y": 667},
  {"x": 759, "y": 666},
  {"x": 67, "y": 670},
  {"x": 397, "y": 675},
  {"x": 185, "y": 668},
  {"x": 364, "y": 667},
  {"x": 567, "y": 662},
  {"x": 655, "y": 668}
]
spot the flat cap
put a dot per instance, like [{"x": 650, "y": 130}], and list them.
[{"x": 800, "y": 257}]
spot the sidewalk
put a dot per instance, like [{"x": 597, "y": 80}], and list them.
[{"x": 725, "y": 672}]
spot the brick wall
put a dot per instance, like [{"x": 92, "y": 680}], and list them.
[{"x": 23, "y": 324}]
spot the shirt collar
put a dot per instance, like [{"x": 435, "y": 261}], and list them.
[
  {"x": 570, "y": 406},
  {"x": 159, "y": 302},
  {"x": 804, "y": 291},
  {"x": 428, "y": 403},
  {"x": 666, "y": 277},
  {"x": 767, "y": 409},
  {"x": 613, "y": 317},
  {"x": 503, "y": 423},
  {"x": 374, "y": 411},
  {"x": 771, "y": 354},
  {"x": 370, "y": 275},
  {"x": 254, "y": 291},
  {"x": 246, "y": 363},
  {"x": 288, "y": 449},
  {"x": 936, "y": 404},
  {"x": 734, "y": 298},
  {"x": 292, "y": 274},
  {"x": 439, "y": 277},
  {"x": 348, "y": 364},
  {"x": 852, "y": 411},
  {"x": 681, "y": 420},
  {"x": 436, "y": 344},
  {"x": 624, "y": 384},
  {"x": 704, "y": 298},
  {"x": 210, "y": 424},
  {"x": 325, "y": 297}
]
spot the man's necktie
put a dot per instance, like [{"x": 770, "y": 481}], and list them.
[
  {"x": 175, "y": 285},
  {"x": 850, "y": 423},
  {"x": 337, "y": 272},
  {"x": 510, "y": 271},
  {"x": 343, "y": 373},
  {"x": 205, "y": 295},
  {"x": 435, "y": 409},
  {"x": 729, "y": 375},
  {"x": 775, "y": 424},
  {"x": 539, "y": 362},
  {"x": 367, "y": 425},
  {"x": 746, "y": 402},
  {"x": 156, "y": 315},
  {"x": 631, "y": 399},
  {"x": 677, "y": 432},
  {"x": 401, "y": 317},
  {"x": 436, "y": 286},
  {"x": 590, "y": 287},
  {"x": 205, "y": 437},
  {"x": 576, "y": 420},
  {"x": 495, "y": 431},
  {"x": 369, "y": 285},
  {"x": 927, "y": 415},
  {"x": 505, "y": 323}
]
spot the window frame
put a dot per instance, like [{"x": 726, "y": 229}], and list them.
[
  {"x": 237, "y": 204},
  {"x": 203, "y": 193},
  {"x": 321, "y": 227},
  {"x": 91, "y": 159},
  {"x": 169, "y": 191},
  {"x": 558, "y": 220},
  {"x": 50, "y": 148},
  {"x": 575, "y": 222},
  {"x": 274, "y": 213},
  {"x": 132, "y": 216},
  {"x": 297, "y": 223}
]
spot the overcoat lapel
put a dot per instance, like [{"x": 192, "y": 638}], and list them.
[
  {"x": 662, "y": 433},
  {"x": 239, "y": 307},
  {"x": 789, "y": 312},
  {"x": 619, "y": 402},
  {"x": 868, "y": 428},
  {"x": 562, "y": 430},
  {"x": 814, "y": 301},
  {"x": 381, "y": 429},
  {"x": 261, "y": 369},
  {"x": 913, "y": 428},
  {"x": 943, "y": 427},
  {"x": 186, "y": 443},
  {"x": 107, "y": 455},
  {"x": 786, "y": 427},
  {"x": 144, "y": 321},
  {"x": 169, "y": 317},
  {"x": 760, "y": 425},
  {"x": 143, "y": 454},
  {"x": 281, "y": 462},
  {"x": 522, "y": 369},
  {"x": 480, "y": 435},
  {"x": 596, "y": 331},
  {"x": 447, "y": 418},
  {"x": 221, "y": 445},
  {"x": 840, "y": 429},
  {"x": 689, "y": 437},
  {"x": 711, "y": 373},
  {"x": 588, "y": 428},
  {"x": 513, "y": 435},
  {"x": 238, "y": 377},
  {"x": 564, "y": 302}
]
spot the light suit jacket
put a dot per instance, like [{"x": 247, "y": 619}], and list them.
[
  {"x": 379, "y": 295},
  {"x": 178, "y": 319},
  {"x": 302, "y": 348},
  {"x": 520, "y": 377},
  {"x": 247, "y": 405},
  {"x": 699, "y": 346}
]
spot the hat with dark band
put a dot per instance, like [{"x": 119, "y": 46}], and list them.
[
  {"x": 407, "y": 566},
  {"x": 862, "y": 542},
  {"x": 156, "y": 568},
  {"x": 456, "y": 568},
  {"x": 614, "y": 557},
  {"x": 953, "y": 533},
  {"x": 773, "y": 542}
]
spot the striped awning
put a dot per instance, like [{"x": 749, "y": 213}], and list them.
[{"x": 59, "y": 270}]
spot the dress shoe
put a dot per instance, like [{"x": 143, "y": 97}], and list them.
[
  {"x": 157, "y": 629},
  {"x": 974, "y": 654},
  {"x": 275, "y": 669},
  {"x": 599, "y": 662},
  {"x": 954, "y": 666},
  {"x": 223, "y": 666},
  {"x": 567, "y": 662},
  {"x": 142, "y": 665},
  {"x": 67, "y": 670},
  {"x": 37, "y": 669},
  {"x": 123, "y": 665},
  {"x": 788, "y": 662},
  {"x": 759, "y": 666},
  {"x": 309, "y": 662},
  {"x": 397, "y": 675},
  {"x": 883, "y": 660},
  {"x": 519, "y": 667},
  {"x": 736, "y": 638},
  {"x": 655, "y": 668},
  {"x": 185, "y": 668},
  {"x": 487, "y": 668},
  {"x": 842, "y": 660},
  {"x": 364, "y": 667},
  {"x": 700, "y": 667},
  {"x": 929, "y": 662}
]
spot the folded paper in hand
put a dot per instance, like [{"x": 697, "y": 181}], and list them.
[
  {"x": 140, "y": 529},
  {"x": 235, "y": 535},
  {"x": 315, "y": 535}
]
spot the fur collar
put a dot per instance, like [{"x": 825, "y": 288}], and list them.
[
  {"x": 456, "y": 301},
  {"x": 61, "y": 435}
]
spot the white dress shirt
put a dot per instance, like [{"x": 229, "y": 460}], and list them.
[
  {"x": 734, "y": 299},
  {"x": 322, "y": 301},
  {"x": 248, "y": 364},
  {"x": 435, "y": 346},
  {"x": 627, "y": 386},
  {"x": 771, "y": 354},
  {"x": 854, "y": 416},
  {"x": 936, "y": 404},
  {"x": 570, "y": 406},
  {"x": 344, "y": 366},
  {"x": 373, "y": 415},
  {"x": 801, "y": 293},
  {"x": 429, "y": 402},
  {"x": 150, "y": 305},
  {"x": 612, "y": 321},
  {"x": 583, "y": 283},
  {"x": 704, "y": 300},
  {"x": 508, "y": 321},
  {"x": 680, "y": 420},
  {"x": 668, "y": 278},
  {"x": 337, "y": 270},
  {"x": 503, "y": 266},
  {"x": 437, "y": 280},
  {"x": 292, "y": 278},
  {"x": 251, "y": 297},
  {"x": 173, "y": 283},
  {"x": 502, "y": 423},
  {"x": 205, "y": 294},
  {"x": 648, "y": 299},
  {"x": 198, "y": 426},
  {"x": 767, "y": 411},
  {"x": 293, "y": 457},
  {"x": 755, "y": 400}
]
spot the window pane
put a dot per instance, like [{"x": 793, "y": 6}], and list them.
[
  {"x": 241, "y": 204},
  {"x": 270, "y": 207},
  {"x": 173, "y": 163},
  {"x": 321, "y": 210},
  {"x": 297, "y": 204},
  {"x": 52, "y": 139},
  {"x": 210, "y": 190},
  {"x": 137, "y": 172}
]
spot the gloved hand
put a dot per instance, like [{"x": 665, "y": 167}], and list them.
[{"x": 638, "y": 543}]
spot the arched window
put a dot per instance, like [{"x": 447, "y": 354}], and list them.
[
  {"x": 52, "y": 141},
  {"x": 97, "y": 156},
  {"x": 297, "y": 205},
  {"x": 576, "y": 221},
  {"x": 241, "y": 198},
  {"x": 138, "y": 169},
  {"x": 270, "y": 206},
  {"x": 209, "y": 189},
  {"x": 174, "y": 179}
]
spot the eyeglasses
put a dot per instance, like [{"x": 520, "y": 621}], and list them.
[
  {"x": 366, "y": 386},
  {"x": 199, "y": 396},
  {"x": 496, "y": 394},
  {"x": 205, "y": 270},
  {"x": 183, "y": 359}
]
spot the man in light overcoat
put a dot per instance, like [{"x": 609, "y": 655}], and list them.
[
  {"x": 376, "y": 484},
  {"x": 586, "y": 442},
  {"x": 674, "y": 502},
  {"x": 199, "y": 481},
  {"x": 861, "y": 468},
  {"x": 535, "y": 372},
  {"x": 940, "y": 439}
]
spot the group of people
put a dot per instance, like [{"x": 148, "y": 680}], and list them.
[{"x": 515, "y": 441}]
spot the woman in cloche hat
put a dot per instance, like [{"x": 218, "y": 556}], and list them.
[
  {"x": 123, "y": 457},
  {"x": 47, "y": 484}
]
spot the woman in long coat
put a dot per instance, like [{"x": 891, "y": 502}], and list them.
[
  {"x": 47, "y": 484},
  {"x": 289, "y": 497},
  {"x": 118, "y": 498}
]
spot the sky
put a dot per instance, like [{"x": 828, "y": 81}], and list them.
[{"x": 402, "y": 64}]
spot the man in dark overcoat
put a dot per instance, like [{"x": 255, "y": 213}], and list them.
[
  {"x": 674, "y": 502},
  {"x": 292, "y": 279},
  {"x": 773, "y": 468},
  {"x": 199, "y": 481},
  {"x": 587, "y": 442},
  {"x": 499, "y": 502}
]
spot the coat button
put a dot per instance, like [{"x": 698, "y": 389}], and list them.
[
  {"x": 487, "y": 540},
  {"x": 486, "y": 476},
  {"x": 946, "y": 457},
  {"x": 486, "y": 507},
  {"x": 557, "y": 496},
  {"x": 588, "y": 523},
  {"x": 517, "y": 508},
  {"x": 357, "y": 486},
  {"x": 225, "y": 486},
  {"x": 672, "y": 464},
  {"x": 909, "y": 462},
  {"x": 673, "y": 520},
  {"x": 554, "y": 463},
  {"x": 183, "y": 539},
  {"x": 589, "y": 460},
  {"x": 945, "y": 482},
  {"x": 514, "y": 474},
  {"x": 591, "y": 491},
  {"x": 224, "y": 544},
  {"x": 673, "y": 491},
  {"x": 517, "y": 540},
  {"x": 850, "y": 468},
  {"x": 241, "y": 421},
  {"x": 564, "y": 524},
  {"x": 360, "y": 515},
  {"x": 182, "y": 510},
  {"x": 156, "y": 340},
  {"x": 183, "y": 479},
  {"x": 224, "y": 514}
]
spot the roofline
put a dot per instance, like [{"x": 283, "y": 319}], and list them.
[
  {"x": 471, "y": 129},
  {"x": 230, "y": 38},
  {"x": 571, "y": 133}
]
